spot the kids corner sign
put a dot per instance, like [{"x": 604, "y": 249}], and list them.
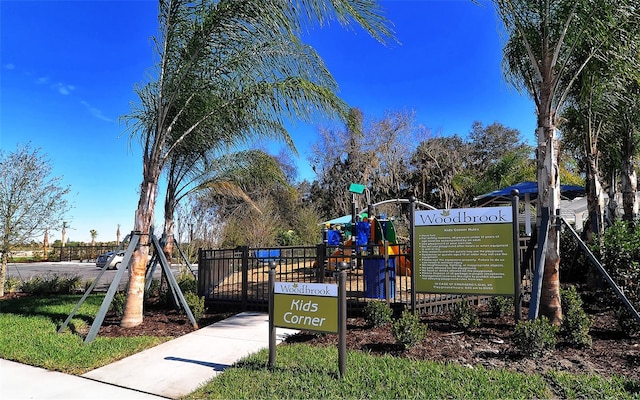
[
  {"x": 465, "y": 251},
  {"x": 308, "y": 306}
]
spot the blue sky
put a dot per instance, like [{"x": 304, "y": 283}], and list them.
[{"x": 67, "y": 71}]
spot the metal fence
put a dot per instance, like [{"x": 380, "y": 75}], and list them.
[
  {"x": 91, "y": 253},
  {"x": 238, "y": 278},
  {"x": 79, "y": 253}
]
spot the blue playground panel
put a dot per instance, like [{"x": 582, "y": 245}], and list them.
[
  {"x": 333, "y": 237},
  {"x": 374, "y": 282},
  {"x": 266, "y": 255}
]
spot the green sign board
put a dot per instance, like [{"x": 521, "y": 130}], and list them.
[
  {"x": 465, "y": 251},
  {"x": 357, "y": 188},
  {"x": 306, "y": 306}
]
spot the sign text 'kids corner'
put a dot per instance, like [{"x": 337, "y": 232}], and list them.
[{"x": 308, "y": 306}]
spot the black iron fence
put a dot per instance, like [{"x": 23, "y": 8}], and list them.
[
  {"x": 89, "y": 253},
  {"x": 238, "y": 278},
  {"x": 79, "y": 253}
]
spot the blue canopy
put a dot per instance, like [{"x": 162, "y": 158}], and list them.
[
  {"x": 344, "y": 220},
  {"x": 524, "y": 188}
]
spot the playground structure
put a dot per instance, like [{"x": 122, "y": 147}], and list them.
[
  {"x": 379, "y": 260},
  {"x": 369, "y": 242},
  {"x": 372, "y": 237},
  {"x": 368, "y": 235}
]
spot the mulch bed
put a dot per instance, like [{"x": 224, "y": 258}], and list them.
[{"x": 489, "y": 346}]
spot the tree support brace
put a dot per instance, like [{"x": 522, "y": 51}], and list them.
[{"x": 125, "y": 266}]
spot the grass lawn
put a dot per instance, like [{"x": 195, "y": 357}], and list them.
[
  {"x": 29, "y": 336},
  {"x": 309, "y": 372}
]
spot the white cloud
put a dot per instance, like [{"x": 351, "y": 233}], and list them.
[
  {"x": 97, "y": 113},
  {"x": 10, "y": 66},
  {"x": 64, "y": 88}
]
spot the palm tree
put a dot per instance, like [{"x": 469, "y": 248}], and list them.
[
  {"x": 587, "y": 134},
  {"x": 540, "y": 57},
  {"x": 65, "y": 225},
  {"x": 205, "y": 44},
  {"x": 627, "y": 125},
  {"x": 94, "y": 235},
  {"x": 45, "y": 244},
  {"x": 249, "y": 195},
  {"x": 226, "y": 176},
  {"x": 603, "y": 112}
]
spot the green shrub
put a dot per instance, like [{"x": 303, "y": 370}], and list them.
[
  {"x": 534, "y": 338},
  {"x": 620, "y": 256},
  {"x": 464, "y": 315},
  {"x": 288, "y": 238},
  {"x": 12, "y": 284},
  {"x": 38, "y": 285},
  {"x": 377, "y": 313},
  {"x": 33, "y": 285},
  {"x": 499, "y": 306},
  {"x": 153, "y": 290},
  {"x": 71, "y": 284},
  {"x": 118, "y": 303},
  {"x": 154, "y": 286},
  {"x": 187, "y": 282},
  {"x": 574, "y": 264},
  {"x": 56, "y": 284},
  {"x": 196, "y": 304},
  {"x": 576, "y": 323},
  {"x": 627, "y": 322},
  {"x": 408, "y": 330}
]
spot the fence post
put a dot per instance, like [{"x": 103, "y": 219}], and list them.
[
  {"x": 515, "y": 201},
  {"x": 342, "y": 318},
  {"x": 200, "y": 280},
  {"x": 321, "y": 251},
  {"x": 272, "y": 328},
  {"x": 245, "y": 276},
  {"x": 412, "y": 258}
]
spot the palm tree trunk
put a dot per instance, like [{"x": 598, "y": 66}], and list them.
[
  {"x": 167, "y": 248},
  {"x": 3, "y": 271},
  {"x": 170, "y": 203},
  {"x": 612, "y": 206},
  {"x": 169, "y": 225},
  {"x": 549, "y": 197},
  {"x": 595, "y": 200},
  {"x": 46, "y": 245},
  {"x": 133, "y": 311},
  {"x": 629, "y": 182}
]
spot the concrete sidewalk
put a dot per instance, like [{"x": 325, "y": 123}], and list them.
[
  {"x": 170, "y": 370},
  {"x": 19, "y": 382}
]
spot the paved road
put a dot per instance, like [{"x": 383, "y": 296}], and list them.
[{"x": 86, "y": 271}]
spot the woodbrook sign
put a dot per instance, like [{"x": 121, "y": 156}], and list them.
[
  {"x": 465, "y": 251},
  {"x": 308, "y": 306}
]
